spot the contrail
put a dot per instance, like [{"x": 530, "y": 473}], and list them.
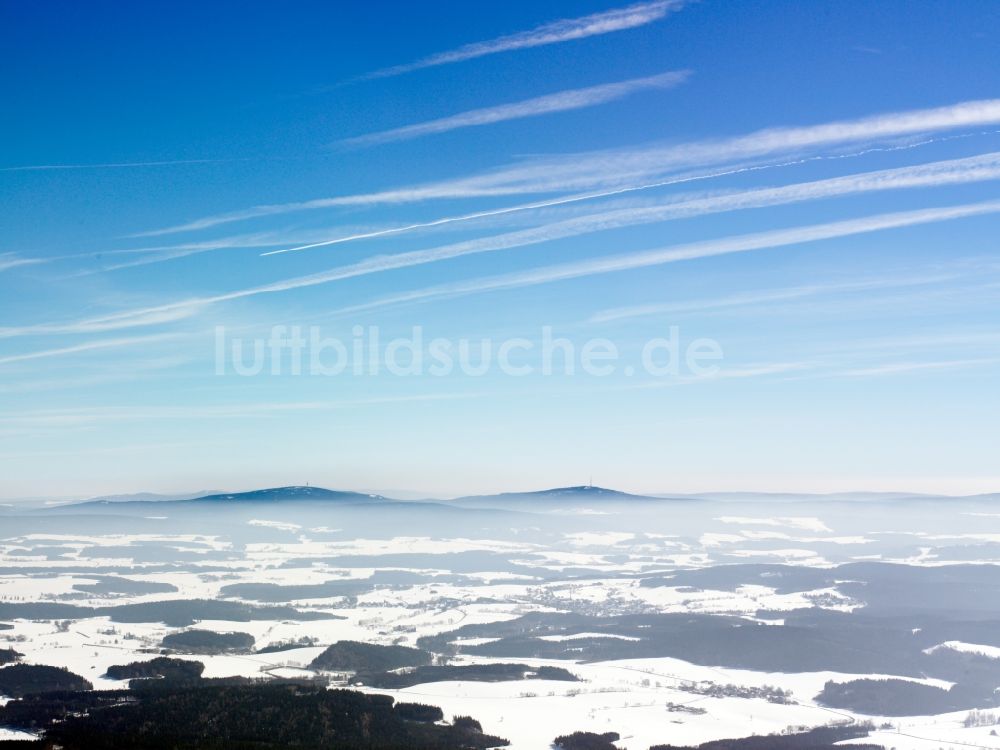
[
  {"x": 561, "y": 101},
  {"x": 677, "y": 253},
  {"x": 669, "y": 254},
  {"x": 610, "y": 169},
  {"x": 90, "y": 346},
  {"x": 494, "y": 212},
  {"x": 115, "y": 165},
  {"x": 11, "y": 260},
  {"x": 769, "y": 295},
  {"x": 554, "y": 32},
  {"x": 601, "y": 194}
]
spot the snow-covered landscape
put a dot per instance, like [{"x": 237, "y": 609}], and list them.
[
  {"x": 88, "y": 586},
  {"x": 543, "y": 375}
]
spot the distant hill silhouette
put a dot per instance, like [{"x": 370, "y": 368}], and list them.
[
  {"x": 556, "y": 497},
  {"x": 293, "y": 493},
  {"x": 271, "y": 495}
]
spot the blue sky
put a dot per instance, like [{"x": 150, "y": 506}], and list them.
[{"x": 811, "y": 186}]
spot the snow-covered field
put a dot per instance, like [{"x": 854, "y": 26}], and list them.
[{"x": 498, "y": 577}]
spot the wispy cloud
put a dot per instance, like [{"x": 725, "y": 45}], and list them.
[
  {"x": 895, "y": 368},
  {"x": 11, "y": 260},
  {"x": 114, "y": 165},
  {"x": 931, "y": 340},
  {"x": 632, "y": 169},
  {"x": 103, "y": 323},
  {"x": 554, "y": 32},
  {"x": 607, "y": 264},
  {"x": 842, "y": 367},
  {"x": 561, "y": 101},
  {"x": 104, "y": 260},
  {"x": 110, "y": 413},
  {"x": 949, "y": 172},
  {"x": 89, "y": 346},
  {"x": 954, "y": 171},
  {"x": 146, "y": 255},
  {"x": 692, "y": 251},
  {"x": 73, "y": 379},
  {"x": 765, "y": 297},
  {"x": 751, "y": 370}
]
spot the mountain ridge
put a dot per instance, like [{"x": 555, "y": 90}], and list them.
[
  {"x": 562, "y": 497},
  {"x": 268, "y": 495},
  {"x": 292, "y": 493},
  {"x": 557, "y": 497}
]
